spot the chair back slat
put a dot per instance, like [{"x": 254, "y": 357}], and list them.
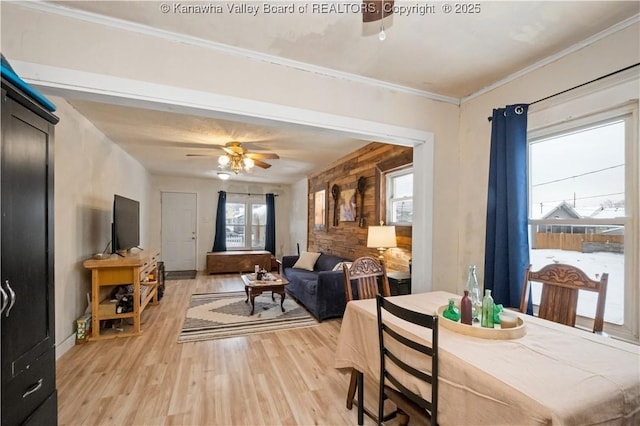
[
  {"x": 561, "y": 284},
  {"x": 410, "y": 343},
  {"x": 411, "y": 357},
  {"x": 408, "y": 368},
  {"x": 419, "y": 401}
]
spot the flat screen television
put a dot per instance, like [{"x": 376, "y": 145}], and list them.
[{"x": 125, "y": 230}]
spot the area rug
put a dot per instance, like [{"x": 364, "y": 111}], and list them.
[
  {"x": 222, "y": 315},
  {"x": 180, "y": 275}
]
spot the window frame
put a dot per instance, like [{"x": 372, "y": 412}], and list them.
[
  {"x": 389, "y": 199},
  {"x": 248, "y": 201},
  {"x": 629, "y": 113}
]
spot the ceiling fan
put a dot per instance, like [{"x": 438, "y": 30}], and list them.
[
  {"x": 374, "y": 10},
  {"x": 377, "y": 10},
  {"x": 238, "y": 159}
]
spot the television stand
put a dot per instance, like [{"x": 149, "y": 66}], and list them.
[{"x": 138, "y": 269}]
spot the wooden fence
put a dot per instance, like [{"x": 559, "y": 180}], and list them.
[{"x": 573, "y": 242}]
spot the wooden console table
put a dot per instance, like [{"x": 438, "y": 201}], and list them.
[
  {"x": 139, "y": 269},
  {"x": 237, "y": 261}
]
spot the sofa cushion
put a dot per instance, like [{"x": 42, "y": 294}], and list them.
[
  {"x": 300, "y": 275},
  {"x": 307, "y": 260},
  {"x": 326, "y": 262},
  {"x": 338, "y": 266}
]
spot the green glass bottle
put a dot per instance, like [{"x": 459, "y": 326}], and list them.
[
  {"x": 452, "y": 312},
  {"x": 487, "y": 310}
]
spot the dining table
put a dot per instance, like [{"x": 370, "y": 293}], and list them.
[{"x": 550, "y": 374}]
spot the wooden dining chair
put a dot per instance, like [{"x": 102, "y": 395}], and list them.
[
  {"x": 560, "y": 286},
  {"x": 368, "y": 277},
  {"x": 415, "y": 406}
]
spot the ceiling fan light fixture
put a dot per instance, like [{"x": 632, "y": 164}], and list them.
[
  {"x": 223, "y": 160},
  {"x": 236, "y": 164},
  {"x": 382, "y": 35},
  {"x": 237, "y": 160}
]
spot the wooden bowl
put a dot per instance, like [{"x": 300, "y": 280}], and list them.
[{"x": 496, "y": 333}]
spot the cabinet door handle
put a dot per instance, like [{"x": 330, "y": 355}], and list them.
[
  {"x": 12, "y": 296},
  {"x": 5, "y": 299},
  {"x": 33, "y": 388}
]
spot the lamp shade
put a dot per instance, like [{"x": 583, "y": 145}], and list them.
[{"x": 382, "y": 237}]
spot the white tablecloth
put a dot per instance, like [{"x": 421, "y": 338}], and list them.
[{"x": 555, "y": 374}]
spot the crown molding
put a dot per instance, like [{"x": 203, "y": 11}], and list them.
[
  {"x": 227, "y": 49},
  {"x": 549, "y": 59}
]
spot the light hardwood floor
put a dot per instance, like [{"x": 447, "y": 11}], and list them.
[{"x": 279, "y": 378}]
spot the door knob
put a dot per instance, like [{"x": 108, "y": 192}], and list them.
[
  {"x": 5, "y": 299},
  {"x": 12, "y": 296}
]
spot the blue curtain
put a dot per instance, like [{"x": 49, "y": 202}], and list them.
[
  {"x": 220, "y": 239},
  {"x": 270, "y": 237},
  {"x": 507, "y": 239}
]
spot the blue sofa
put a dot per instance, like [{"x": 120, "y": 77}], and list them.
[{"x": 321, "y": 291}]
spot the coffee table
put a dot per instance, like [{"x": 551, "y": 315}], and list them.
[{"x": 255, "y": 288}]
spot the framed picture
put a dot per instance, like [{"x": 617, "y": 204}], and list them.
[
  {"x": 348, "y": 205},
  {"x": 320, "y": 210}
]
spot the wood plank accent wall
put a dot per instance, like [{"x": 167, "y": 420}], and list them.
[{"x": 347, "y": 239}]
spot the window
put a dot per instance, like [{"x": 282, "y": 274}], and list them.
[
  {"x": 582, "y": 206},
  {"x": 400, "y": 197},
  {"x": 246, "y": 224}
]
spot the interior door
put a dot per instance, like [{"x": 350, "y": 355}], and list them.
[{"x": 179, "y": 238}]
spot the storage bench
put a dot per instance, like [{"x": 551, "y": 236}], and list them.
[{"x": 228, "y": 262}]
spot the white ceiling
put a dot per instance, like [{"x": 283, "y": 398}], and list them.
[{"x": 446, "y": 54}]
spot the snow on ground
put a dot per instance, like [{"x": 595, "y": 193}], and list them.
[{"x": 593, "y": 264}]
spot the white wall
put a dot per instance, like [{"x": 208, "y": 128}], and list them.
[
  {"x": 299, "y": 216},
  {"x": 89, "y": 170},
  {"x": 607, "y": 55},
  {"x": 207, "y": 194}
]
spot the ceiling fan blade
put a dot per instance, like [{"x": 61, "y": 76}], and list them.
[
  {"x": 261, "y": 164},
  {"x": 228, "y": 150},
  {"x": 262, "y": 155},
  {"x": 200, "y": 155},
  {"x": 372, "y": 10}
]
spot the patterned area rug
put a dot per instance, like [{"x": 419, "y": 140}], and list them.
[{"x": 222, "y": 315}]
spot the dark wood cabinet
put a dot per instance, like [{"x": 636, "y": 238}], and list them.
[
  {"x": 399, "y": 282},
  {"x": 27, "y": 229}
]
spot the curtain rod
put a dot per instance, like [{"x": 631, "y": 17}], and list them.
[
  {"x": 583, "y": 84},
  {"x": 244, "y": 193}
]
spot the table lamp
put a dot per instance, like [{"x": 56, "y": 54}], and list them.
[{"x": 381, "y": 237}]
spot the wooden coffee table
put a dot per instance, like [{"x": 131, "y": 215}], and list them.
[{"x": 255, "y": 288}]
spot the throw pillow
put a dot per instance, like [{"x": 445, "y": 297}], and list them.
[
  {"x": 338, "y": 266},
  {"x": 307, "y": 260}
]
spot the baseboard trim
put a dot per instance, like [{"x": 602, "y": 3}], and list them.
[{"x": 65, "y": 346}]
